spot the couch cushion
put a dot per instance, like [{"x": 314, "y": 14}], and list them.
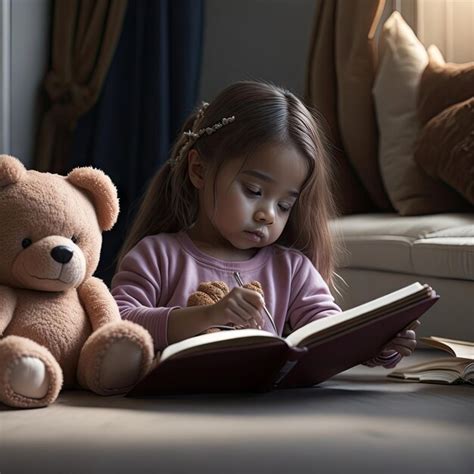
[{"x": 439, "y": 245}]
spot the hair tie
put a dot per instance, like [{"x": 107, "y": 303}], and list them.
[{"x": 191, "y": 136}]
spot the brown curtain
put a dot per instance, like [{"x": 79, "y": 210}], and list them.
[
  {"x": 85, "y": 35},
  {"x": 340, "y": 76}
]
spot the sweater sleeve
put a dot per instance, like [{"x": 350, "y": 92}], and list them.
[
  {"x": 311, "y": 298},
  {"x": 136, "y": 288}
]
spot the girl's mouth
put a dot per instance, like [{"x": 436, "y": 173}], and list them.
[{"x": 254, "y": 236}]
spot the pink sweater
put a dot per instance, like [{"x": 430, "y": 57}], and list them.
[{"x": 162, "y": 270}]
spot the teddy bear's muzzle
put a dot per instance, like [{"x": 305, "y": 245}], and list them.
[{"x": 53, "y": 263}]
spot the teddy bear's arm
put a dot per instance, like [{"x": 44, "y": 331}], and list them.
[
  {"x": 98, "y": 303},
  {"x": 7, "y": 306}
]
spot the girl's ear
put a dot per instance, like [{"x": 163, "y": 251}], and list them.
[{"x": 196, "y": 169}]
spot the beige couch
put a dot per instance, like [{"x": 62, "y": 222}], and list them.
[{"x": 384, "y": 252}]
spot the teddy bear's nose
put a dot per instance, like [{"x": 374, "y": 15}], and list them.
[{"x": 62, "y": 254}]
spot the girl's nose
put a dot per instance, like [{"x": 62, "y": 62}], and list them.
[{"x": 265, "y": 217}]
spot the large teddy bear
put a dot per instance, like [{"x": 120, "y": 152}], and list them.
[{"x": 59, "y": 326}]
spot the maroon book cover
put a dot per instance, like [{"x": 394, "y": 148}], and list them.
[
  {"x": 342, "y": 352},
  {"x": 241, "y": 368},
  {"x": 262, "y": 366}
]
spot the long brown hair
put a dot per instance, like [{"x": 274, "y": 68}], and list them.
[{"x": 264, "y": 113}]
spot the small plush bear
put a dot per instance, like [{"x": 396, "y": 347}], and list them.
[
  {"x": 60, "y": 326},
  {"x": 210, "y": 292}
]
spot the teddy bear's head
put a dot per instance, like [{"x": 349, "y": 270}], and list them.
[{"x": 51, "y": 225}]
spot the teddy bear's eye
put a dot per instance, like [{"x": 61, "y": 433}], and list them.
[
  {"x": 75, "y": 239},
  {"x": 26, "y": 243}
]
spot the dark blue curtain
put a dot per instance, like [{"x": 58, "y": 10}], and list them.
[{"x": 150, "y": 88}]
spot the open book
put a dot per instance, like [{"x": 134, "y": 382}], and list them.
[
  {"x": 257, "y": 360},
  {"x": 449, "y": 370}
]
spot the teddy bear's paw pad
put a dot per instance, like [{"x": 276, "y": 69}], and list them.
[
  {"x": 29, "y": 378},
  {"x": 121, "y": 365}
]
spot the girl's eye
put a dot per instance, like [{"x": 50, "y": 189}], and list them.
[
  {"x": 285, "y": 208},
  {"x": 253, "y": 191}
]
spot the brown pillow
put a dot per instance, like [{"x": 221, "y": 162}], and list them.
[
  {"x": 442, "y": 85},
  {"x": 445, "y": 148}
]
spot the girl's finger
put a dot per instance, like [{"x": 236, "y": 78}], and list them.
[
  {"x": 405, "y": 348},
  {"x": 404, "y": 351},
  {"x": 254, "y": 298},
  {"x": 391, "y": 366},
  {"x": 403, "y": 341},
  {"x": 407, "y": 334},
  {"x": 238, "y": 314},
  {"x": 415, "y": 324},
  {"x": 252, "y": 313}
]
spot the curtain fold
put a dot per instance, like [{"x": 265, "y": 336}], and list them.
[
  {"x": 340, "y": 76},
  {"x": 151, "y": 86},
  {"x": 84, "y": 38}
]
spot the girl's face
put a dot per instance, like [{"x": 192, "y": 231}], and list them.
[{"x": 247, "y": 205}]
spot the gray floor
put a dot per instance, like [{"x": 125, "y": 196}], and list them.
[{"x": 358, "y": 421}]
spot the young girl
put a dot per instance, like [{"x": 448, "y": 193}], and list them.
[{"x": 246, "y": 190}]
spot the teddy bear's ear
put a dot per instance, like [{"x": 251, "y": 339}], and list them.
[
  {"x": 11, "y": 170},
  {"x": 103, "y": 191}
]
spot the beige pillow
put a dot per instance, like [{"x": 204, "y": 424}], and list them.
[
  {"x": 402, "y": 61},
  {"x": 445, "y": 148}
]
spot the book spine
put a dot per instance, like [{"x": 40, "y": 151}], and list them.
[{"x": 294, "y": 356}]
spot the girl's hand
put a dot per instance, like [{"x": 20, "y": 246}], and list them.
[
  {"x": 403, "y": 345},
  {"x": 241, "y": 307}
]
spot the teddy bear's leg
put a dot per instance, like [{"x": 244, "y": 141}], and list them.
[
  {"x": 30, "y": 377},
  {"x": 115, "y": 357}
]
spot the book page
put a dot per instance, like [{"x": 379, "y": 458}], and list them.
[
  {"x": 457, "y": 348},
  {"x": 218, "y": 339},
  {"x": 447, "y": 370},
  {"x": 469, "y": 373},
  {"x": 445, "y": 376},
  {"x": 372, "y": 306},
  {"x": 448, "y": 363}
]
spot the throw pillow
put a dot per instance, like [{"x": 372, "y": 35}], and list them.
[
  {"x": 401, "y": 63},
  {"x": 443, "y": 84},
  {"x": 445, "y": 148}
]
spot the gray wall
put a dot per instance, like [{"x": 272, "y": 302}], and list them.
[
  {"x": 24, "y": 33},
  {"x": 256, "y": 39}
]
